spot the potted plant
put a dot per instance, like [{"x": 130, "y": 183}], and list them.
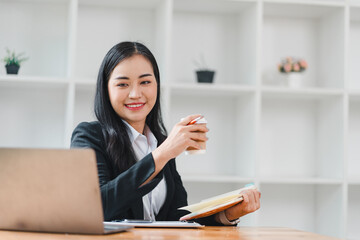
[
  {"x": 293, "y": 68},
  {"x": 203, "y": 73},
  {"x": 13, "y": 61}
]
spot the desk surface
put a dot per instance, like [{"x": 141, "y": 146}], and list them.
[{"x": 243, "y": 233}]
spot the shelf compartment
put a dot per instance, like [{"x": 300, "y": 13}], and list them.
[
  {"x": 217, "y": 179},
  {"x": 213, "y": 89},
  {"x": 313, "y": 208},
  {"x": 32, "y": 81},
  {"x": 354, "y": 48},
  {"x": 117, "y": 21},
  {"x": 312, "y": 32},
  {"x": 32, "y": 115},
  {"x": 219, "y": 33},
  {"x": 301, "y": 93},
  {"x": 84, "y": 103},
  {"x": 310, "y": 2},
  {"x": 44, "y": 34},
  {"x": 354, "y": 3},
  {"x": 353, "y": 170},
  {"x": 353, "y": 231},
  {"x": 232, "y": 124},
  {"x": 302, "y": 138},
  {"x": 301, "y": 181}
]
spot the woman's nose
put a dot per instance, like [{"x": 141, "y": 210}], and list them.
[{"x": 135, "y": 92}]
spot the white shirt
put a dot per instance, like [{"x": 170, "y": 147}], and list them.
[{"x": 143, "y": 145}]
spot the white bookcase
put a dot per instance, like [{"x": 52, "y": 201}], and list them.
[{"x": 300, "y": 146}]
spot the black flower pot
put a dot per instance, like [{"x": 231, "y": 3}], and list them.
[
  {"x": 12, "y": 69},
  {"x": 205, "y": 76}
]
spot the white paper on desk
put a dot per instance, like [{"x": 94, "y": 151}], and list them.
[{"x": 157, "y": 224}]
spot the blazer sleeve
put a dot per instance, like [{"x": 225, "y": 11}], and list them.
[{"x": 120, "y": 192}]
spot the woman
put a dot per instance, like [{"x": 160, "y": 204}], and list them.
[{"x": 135, "y": 157}]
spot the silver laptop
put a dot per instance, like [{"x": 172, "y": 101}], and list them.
[{"x": 50, "y": 190}]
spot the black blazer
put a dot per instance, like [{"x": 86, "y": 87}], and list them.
[{"x": 121, "y": 192}]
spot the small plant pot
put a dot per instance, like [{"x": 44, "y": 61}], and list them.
[
  {"x": 294, "y": 79},
  {"x": 12, "y": 69},
  {"x": 205, "y": 76}
]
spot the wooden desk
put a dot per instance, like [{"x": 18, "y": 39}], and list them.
[{"x": 243, "y": 233}]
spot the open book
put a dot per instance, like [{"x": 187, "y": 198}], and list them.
[{"x": 215, "y": 204}]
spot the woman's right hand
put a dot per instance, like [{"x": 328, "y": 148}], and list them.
[{"x": 180, "y": 138}]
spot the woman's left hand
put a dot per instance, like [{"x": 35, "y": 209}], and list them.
[{"x": 250, "y": 204}]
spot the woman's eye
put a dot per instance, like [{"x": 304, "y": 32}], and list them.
[
  {"x": 122, "y": 85},
  {"x": 145, "y": 82}
]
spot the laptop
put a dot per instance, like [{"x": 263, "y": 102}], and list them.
[{"x": 51, "y": 190}]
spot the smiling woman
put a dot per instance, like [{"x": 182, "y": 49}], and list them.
[{"x": 135, "y": 157}]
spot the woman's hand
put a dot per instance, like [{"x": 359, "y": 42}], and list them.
[
  {"x": 180, "y": 138},
  {"x": 250, "y": 204}
]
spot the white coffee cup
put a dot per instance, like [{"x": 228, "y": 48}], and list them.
[{"x": 194, "y": 151}]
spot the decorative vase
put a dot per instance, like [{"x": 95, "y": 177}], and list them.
[
  {"x": 12, "y": 69},
  {"x": 205, "y": 76},
  {"x": 294, "y": 79}
]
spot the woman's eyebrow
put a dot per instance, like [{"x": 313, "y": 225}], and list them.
[
  {"x": 145, "y": 75},
  {"x": 121, "y": 77}
]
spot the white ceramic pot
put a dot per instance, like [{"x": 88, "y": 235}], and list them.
[{"x": 294, "y": 79}]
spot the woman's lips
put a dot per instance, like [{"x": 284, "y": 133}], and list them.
[{"x": 135, "y": 106}]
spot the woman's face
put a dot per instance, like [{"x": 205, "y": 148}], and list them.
[{"x": 133, "y": 90}]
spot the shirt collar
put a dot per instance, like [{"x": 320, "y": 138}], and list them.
[{"x": 133, "y": 135}]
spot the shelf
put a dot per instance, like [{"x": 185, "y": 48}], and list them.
[
  {"x": 205, "y": 24},
  {"x": 304, "y": 31},
  {"x": 212, "y": 6},
  {"x": 218, "y": 179},
  {"x": 354, "y": 95},
  {"x": 32, "y": 81},
  {"x": 354, "y": 3},
  {"x": 301, "y": 181},
  {"x": 84, "y": 104},
  {"x": 302, "y": 138},
  {"x": 126, "y": 21},
  {"x": 210, "y": 89},
  {"x": 353, "y": 212},
  {"x": 314, "y": 208},
  {"x": 301, "y": 93},
  {"x": 40, "y": 29},
  {"x": 231, "y": 146},
  {"x": 354, "y": 48},
  {"x": 137, "y": 4},
  {"x": 353, "y": 134},
  {"x": 354, "y": 180},
  {"x": 310, "y": 2},
  {"x": 32, "y": 116}
]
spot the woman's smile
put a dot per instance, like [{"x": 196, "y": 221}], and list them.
[{"x": 134, "y": 106}]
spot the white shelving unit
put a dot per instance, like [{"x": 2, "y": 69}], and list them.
[{"x": 300, "y": 146}]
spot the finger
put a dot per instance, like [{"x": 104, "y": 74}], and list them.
[
  {"x": 250, "y": 206},
  {"x": 198, "y": 136},
  {"x": 197, "y": 128},
  {"x": 245, "y": 198},
  {"x": 188, "y": 119},
  {"x": 194, "y": 144},
  {"x": 251, "y": 194},
  {"x": 258, "y": 195}
]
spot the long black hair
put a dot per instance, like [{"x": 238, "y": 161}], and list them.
[{"x": 117, "y": 140}]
